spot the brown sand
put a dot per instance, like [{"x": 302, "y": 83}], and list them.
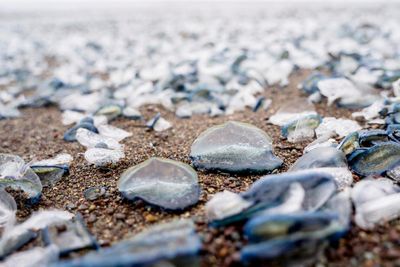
[{"x": 38, "y": 134}]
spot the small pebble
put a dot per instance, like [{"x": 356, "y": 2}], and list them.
[{"x": 150, "y": 218}]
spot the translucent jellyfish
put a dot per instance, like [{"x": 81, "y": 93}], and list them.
[
  {"x": 331, "y": 126},
  {"x": 8, "y": 208},
  {"x": 164, "y": 243},
  {"x": 90, "y": 139},
  {"x": 37, "y": 256},
  {"x": 234, "y": 147},
  {"x": 163, "y": 182},
  {"x": 292, "y": 111},
  {"x": 103, "y": 156},
  {"x": 224, "y": 204},
  {"x": 16, "y": 236},
  {"x": 15, "y": 173},
  {"x": 377, "y": 159},
  {"x": 158, "y": 123},
  {"x": 376, "y": 201},
  {"x": 74, "y": 237},
  {"x": 301, "y": 129},
  {"x": 51, "y": 170},
  {"x": 113, "y": 132}
]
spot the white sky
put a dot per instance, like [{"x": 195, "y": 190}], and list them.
[{"x": 59, "y": 4}]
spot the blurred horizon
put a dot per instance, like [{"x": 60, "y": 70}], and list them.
[{"x": 29, "y": 5}]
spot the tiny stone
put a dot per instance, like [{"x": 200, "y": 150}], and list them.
[
  {"x": 130, "y": 222},
  {"x": 119, "y": 216},
  {"x": 92, "y": 218},
  {"x": 82, "y": 207},
  {"x": 70, "y": 206},
  {"x": 223, "y": 252},
  {"x": 109, "y": 210},
  {"x": 150, "y": 218}
]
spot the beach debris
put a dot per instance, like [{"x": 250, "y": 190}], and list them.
[
  {"x": 310, "y": 84},
  {"x": 8, "y": 208},
  {"x": 350, "y": 143},
  {"x": 293, "y": 111},
  {"x": 69, "y": 117},
  {"x": 102, "y": 150},
  {"x": 111, "y": 111},
  {"x": 210, "y": 76},
  {"x": 342, "y": 175},
  {"x": 372, "y": 152},
  {"x": 51, "y": 170},
  {"x": 376, "y": 201},
  {"x": 377, "y": 159},
  {"x": 341, "y": 204},
  {"x": 92, "y": 140},
  {"x": 234, "y": 147},
  {"x": 96, "y": 72},
  {"x": 95, "y": 192},
  {"x": 394, "y": 173},
  {"x": 103, "y": 156},
  {"x": 15, "y": 236},
  {"x": 162, "y": 182},
  {"x": 331, "y": 127},
  {"x": 225, "y": 204},
  {"x": 315, "y": 98},
  {"x": 386, "y": 79},
  {"x": 301, "y": 129},
  {"x": 371, "y": 113},
  {"x": 262, "y": 104},
  {"x": 369, "y": 138},
  {"x": 289, "y": 192},
  {"x": 69, "y": 236},
  {"x": 165, "y": 242},
  {"x": 396, "y": 88},
  {"x": 86, "y": 123},
  {"x": 158, "y": 123},
  {"x": 8, "y": 112},
  {"x": 37, "y": 256},
  {"x": 15, "y": 173},
  {"x": 188, "y": 109},
  {"x": 357, "y": 141},
  {"x": 290, "y": 238},
  {"x": 319, "y": 158},
  {"x": 393, "y": 114},
  {"x": 279, "y": 73},
  {"x": 326, "y": 159},
  {"x": 113, "y": 132},
  {"x": 131, "y": 113},
  {"x": 323, "y": 141},
  {"x": 79, "y": 101},
  {"x": 345, "y": 93}
]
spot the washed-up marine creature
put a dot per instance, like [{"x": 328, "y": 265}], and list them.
[
  {"x": 52, "y": 170},
  {"x": 85, "y": 123},
  {"x": 305, "y": 190},
  {"x": 234, "y": 147},
  {"x": 158, "y": 123},
  {"x": 18, "y": 175},
  {"x": 376, "y": 160},
  {"x": 15, "y": 236},
  {"x": 8, "y": 208},
  {"x": 301, "y": 129},
  {"x": 69, "y": 236},
  {"x": 162, "y": 182},
  {"x": 37, "y": 256},
  {"x": 290, "y": 238},
  {"x": 175, "y": 243},
  {"x": 376, "y": 201}
]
